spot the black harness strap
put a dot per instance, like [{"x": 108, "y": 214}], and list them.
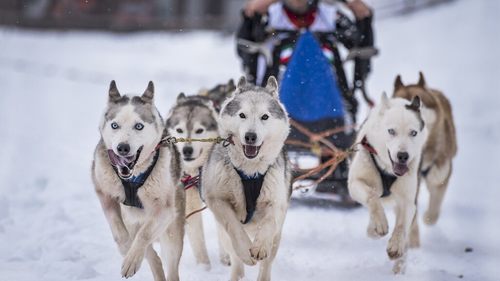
[
  {"x": 132, "y": 185},
  {"x": 251, "y": 187},
  {"x": 388, "y": 179},
  {"x": 426, "y": 171}
]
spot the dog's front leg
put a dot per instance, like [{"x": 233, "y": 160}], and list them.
[
  {"x": 226, "y": 216},
  {"x": 437, "y": 182},
  {"x": 366, "y": 196},
  {"x": 112, "y": 212},
  {"x": 156, "y": 223},
  {"x": 267, "y": 240},
  {"x": 398, "y": 244},
  {"x": 268, "y": 227}
]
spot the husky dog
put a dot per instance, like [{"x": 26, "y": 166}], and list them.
[
  {"x": 388, "y": 165},
  {"x": 441, "y": 146},
  {"x": 138, "y": 183},
  {"x": 247, "y": 185},
  {"x": 195, "y": 117}
]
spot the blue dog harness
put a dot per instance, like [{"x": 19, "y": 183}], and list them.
[
  {"x": 251, "y": 187},
  {"x": 132, "y": 185}
]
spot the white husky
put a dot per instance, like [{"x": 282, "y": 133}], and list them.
[
  {"x": 388, "y": 165},
  {"x": 195, "y": 117},
  {"x": 247, "y": 184},
  {"x": 138, "y": 183}
]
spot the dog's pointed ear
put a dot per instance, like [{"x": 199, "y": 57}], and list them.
[
  {"x": 114, "y": 95},
  {"x": 180, "y": 98},
  {"x": 384, "y": 100},
  {"x": 415, "y": 103},
  {"x": 421, "y": 80},
  {"x": 242, "y": 82},
  {"x": 149, "y": 93},
  {"x": 208, "y": 103},
  {"x": 398, "y": 83},
  {"x": 272, "y": 85},
  {"x": 230, "y": 84}
]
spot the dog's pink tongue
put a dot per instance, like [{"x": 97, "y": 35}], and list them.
[
  {"x": 250, "y": 150},
  {"x": 119, "y": 161},
  {"x": 400, "y": 169}
]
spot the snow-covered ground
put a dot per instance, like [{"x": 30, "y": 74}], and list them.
[{"x": 53, "y": 89}]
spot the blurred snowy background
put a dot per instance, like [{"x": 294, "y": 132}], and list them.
[{"x": 53, "y": 89}]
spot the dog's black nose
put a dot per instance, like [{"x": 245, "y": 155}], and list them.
[
  {"x": 403, "y": 157},
  {"x": 250, "y": 138},
  {"x": 187, "y": 151},
  {"x": 123, "y": 148}
]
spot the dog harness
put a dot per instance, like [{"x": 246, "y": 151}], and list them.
[
  {"x": 251, "y": 187},
  {"x": 387, "y": 178},
  {"x": 132, "y": 185},
  {"x": 426, "y": 171}
]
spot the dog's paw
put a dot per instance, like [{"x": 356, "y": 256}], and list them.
[
  {"x": 132, "y": 263},
  {"x": 246, "y": 257},
  {"x": 430, "y": 218},
  {"x": 241, "y": 245},
  {"x": 378, "y": 226},
  {"x": 396, "y": 248},
  {"x": 243, "y": 253},
  {"x": 260, "y": 250},
  {"x": 224, "y": 258}
]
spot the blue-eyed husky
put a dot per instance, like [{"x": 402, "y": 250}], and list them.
[
  {"x": 387, "y": 166},
  {"x": 138, "y": 183}
]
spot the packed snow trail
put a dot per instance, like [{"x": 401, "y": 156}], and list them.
[{"x": 53, "y": 89}]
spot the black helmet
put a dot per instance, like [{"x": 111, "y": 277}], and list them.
[{"x": 311, "y": 4}]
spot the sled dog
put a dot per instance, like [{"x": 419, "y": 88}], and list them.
[
  {"x": 441, "y": 146},
  {"x": 247, "y": 184},
  {"x": 387, "y": 165},
  {"x": 138, "y": 183},
  {"x": 195, "y": 117}
]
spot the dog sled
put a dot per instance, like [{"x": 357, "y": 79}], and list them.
[{"x": 321, "y": 105}]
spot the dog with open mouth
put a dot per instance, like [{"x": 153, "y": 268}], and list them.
[
  {"x": 441, "y": 146},
  {"x": 247, "y": 185},
  {"x": 137, "y": 180},
  {"x": 195, "y": 117},
  {"x": 386, "y": 167}
]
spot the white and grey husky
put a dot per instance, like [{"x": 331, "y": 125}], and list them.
[
  {"x": 194, "y": 117},
  {"x": 388, "y": 165},
  {"x": 247, "y": 185},
  {"x": 138, "y": 183}
]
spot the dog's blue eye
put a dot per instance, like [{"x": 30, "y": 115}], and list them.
[
  {"x": 114, "y": 125},
  {"x": 139, "y": 126},
  {"x": 265, "y": 117},
  {"x": 391, "y": 131},
  {"x": 413, "y": 133},
  {"x": 242, "y": 116}
]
